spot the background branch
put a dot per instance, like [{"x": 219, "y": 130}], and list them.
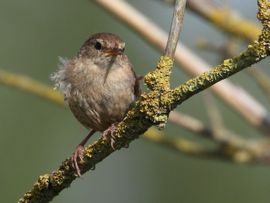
[
  {"x": 227, "y": 20},
  {"x": 27, "y": 84}
]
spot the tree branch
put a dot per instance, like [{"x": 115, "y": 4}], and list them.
[{"x": 181, "y": 145}]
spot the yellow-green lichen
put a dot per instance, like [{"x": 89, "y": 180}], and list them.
[
  {"x": 159, "y": 79},
  {"x": 43, "y": 182},
  {"x": 264, "y": 13},
  {"x": 155, "y": 104},
  {"x": 57, "y": 178}
]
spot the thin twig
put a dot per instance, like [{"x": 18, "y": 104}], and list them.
[
  {"x": 214, "y": 114},
  {"x": 190, "y": 123},
  {"x": 176, "y": 25}
]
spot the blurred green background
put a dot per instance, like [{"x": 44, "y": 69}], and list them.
[{"x": 36, "y": 135}]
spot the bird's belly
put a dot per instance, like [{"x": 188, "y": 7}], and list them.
[{"x": 101, "y": 105}]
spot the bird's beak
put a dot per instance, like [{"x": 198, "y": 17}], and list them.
[{"x": 113, "y": 52}]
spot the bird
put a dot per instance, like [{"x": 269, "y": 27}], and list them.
[{"x": 99, "y": 86}]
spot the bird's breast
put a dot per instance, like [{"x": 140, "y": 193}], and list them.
[{"x": 99, "y": 96}]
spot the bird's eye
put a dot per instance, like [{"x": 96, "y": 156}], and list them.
[
  {"x": 123, "y": 49},
  {"x": 97, "y": 45}
]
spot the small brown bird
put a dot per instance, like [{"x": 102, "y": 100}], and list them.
[{"x": 99, "y": 86}]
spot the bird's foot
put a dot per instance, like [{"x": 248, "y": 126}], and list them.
[
  {"x": 77, "y": 155},
  {"x": 108, "y": 135}
]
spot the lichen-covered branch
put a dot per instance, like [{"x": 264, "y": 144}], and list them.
[
  {"x": 27, "y": 84},
  {"x": 254, "y": 53},
  {"x": 228, "y": 50},
  {"x": 178, "y": 144}
]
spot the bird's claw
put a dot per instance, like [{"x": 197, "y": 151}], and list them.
[
  {"x": 78, "y": 154},
  {"x": 108, "y": 135}
]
